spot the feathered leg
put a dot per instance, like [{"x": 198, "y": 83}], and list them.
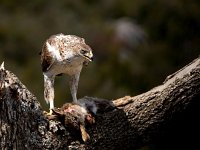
[
  {"x": 49, "y": 91},
  {"x": 73, "y": 83}
]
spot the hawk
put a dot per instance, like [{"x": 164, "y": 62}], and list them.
[{"x": 63, "y": 54}]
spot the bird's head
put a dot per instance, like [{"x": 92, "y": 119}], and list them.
[{"x": 85, "y": 52}]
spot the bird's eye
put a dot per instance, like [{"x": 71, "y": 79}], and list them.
[{"x": 83, "y": 51}]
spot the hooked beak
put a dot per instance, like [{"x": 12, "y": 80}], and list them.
[{"x": 89, "y": 56}]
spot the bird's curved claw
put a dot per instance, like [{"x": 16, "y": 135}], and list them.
[{"x": 48, "y": 113}]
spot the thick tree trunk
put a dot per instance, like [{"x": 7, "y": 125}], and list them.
[{"x": 136, "y": 121}]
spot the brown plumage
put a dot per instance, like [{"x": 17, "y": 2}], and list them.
[{"x": 63, "y": 54}]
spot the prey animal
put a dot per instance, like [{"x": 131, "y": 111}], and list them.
[
  {"x": 81, "y": 115},
  {"x": 75, "y": 116},
  {"x": 63, "y": 54}
]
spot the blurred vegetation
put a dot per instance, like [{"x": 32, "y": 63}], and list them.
[{"x": 136, "y": 43}]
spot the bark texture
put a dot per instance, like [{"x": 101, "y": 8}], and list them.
[{"x": 134, "y": 122}]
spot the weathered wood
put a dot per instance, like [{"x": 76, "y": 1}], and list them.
[{"x": 135, "y": 122}]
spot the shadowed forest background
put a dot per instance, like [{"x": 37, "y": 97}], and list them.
[{"x": 136, "y": 44}]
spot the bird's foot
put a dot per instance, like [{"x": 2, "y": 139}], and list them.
[{"x": 48, "y": 113}]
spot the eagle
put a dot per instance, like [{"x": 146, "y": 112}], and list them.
[{"x": 63, "y": 54}]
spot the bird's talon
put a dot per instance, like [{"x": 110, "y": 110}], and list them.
[{"x": 49, "y": 113}]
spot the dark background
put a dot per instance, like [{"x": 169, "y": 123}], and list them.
[{"x": 136, "y": 43}]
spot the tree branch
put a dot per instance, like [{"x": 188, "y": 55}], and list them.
[{"x": 135, "y": 122}]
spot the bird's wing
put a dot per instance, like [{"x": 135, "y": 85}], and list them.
[
  {"x": 50, "y": 52},
  {"x": 55, "y": 47},
  {"x": 47, "y": 58}
]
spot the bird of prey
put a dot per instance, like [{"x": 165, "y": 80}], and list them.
[{"x": 63, "y": 54}]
